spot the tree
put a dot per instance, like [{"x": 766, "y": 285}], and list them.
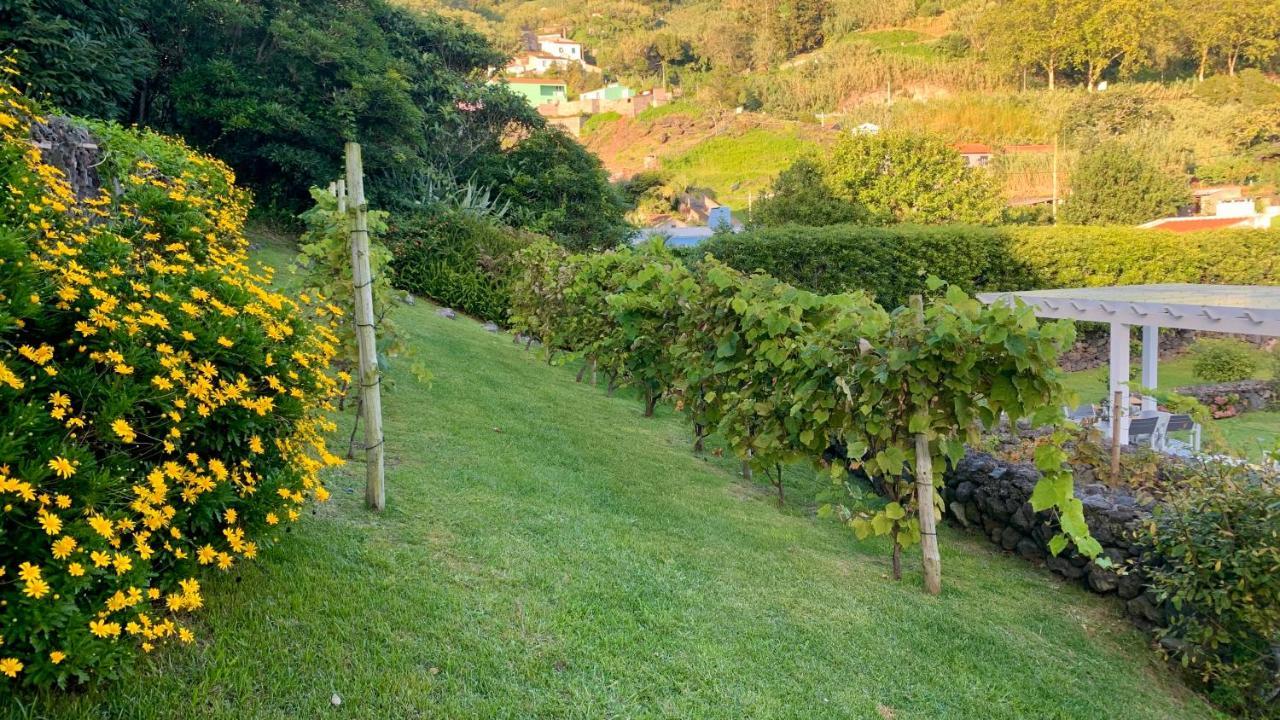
[
  {"x": 1233, "y": 31},
  {"x": 1110, "y": 32},
  {"x": 87, "y": 56},
  {"x": 1115, "y": 184},
  {"x": 911, "y": 178},
  {"x": 1034, "y": 33},
  {"x": 557, "y": 188},
  {"x": 800, "y": 195}
]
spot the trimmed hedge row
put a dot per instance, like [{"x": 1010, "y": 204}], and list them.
[
  {"x": 892, "y": 263},
  {"x": 455, "y": 258}
]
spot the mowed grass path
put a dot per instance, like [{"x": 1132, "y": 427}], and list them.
[{"x": 549, "y": 553}]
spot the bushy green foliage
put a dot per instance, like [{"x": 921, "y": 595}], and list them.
[
  {"x": 782, "y": 373},
  {"x": 890, "y": 263},
  {"x": 89, "y": 56},
  {"x": 1115, "y": 184},
  {"x": 1065, "y": 256},
  {"x": 1214, "y": 551},
  {"x": 911, "y": 178},
  {"x": 1223, "y": 360},
  {"x": 595, "y": 122},
  {"x": 799, "y": 195},
  {"x": 459, "y": 259},
  {"x": 324, "y": 260}
]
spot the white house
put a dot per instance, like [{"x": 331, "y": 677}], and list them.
[{"x": 560, "y": 46}]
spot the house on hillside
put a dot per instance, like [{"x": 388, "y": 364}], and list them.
[
  {"x": 533, "y": 62},
  {"x": 538, "y": 91},
  {"x": 612, "y": 91},
  {"x": 560, "y": 46},
  {"x": 1205, "y": 198},
  {"x": 975, "y": 154},
  {"x": 1228, "y": 214}
]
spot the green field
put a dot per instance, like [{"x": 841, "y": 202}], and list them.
[
  {"x": 547, "y": 552},
  {"x": 737, "y": 166}
]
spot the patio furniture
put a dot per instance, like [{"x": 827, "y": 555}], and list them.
[
  {"x": 1147, "y": 430},
  {"x": 1179, "y": 423},
  {"x": 1241, "y": 309},
  {"x": 1085, "y": 415}
]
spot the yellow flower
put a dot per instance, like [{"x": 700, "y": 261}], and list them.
[
  {"x": 224, "y": 342},
  {"x": 57, "y": 656},
  {"x": 63, "y": 547},
  {"x": 104, "y": 629},
  {"x": 123, "y": 563},
  {"x": 123, "y": 369},
  {"x": 121, "y": 427},
  {"x": 51, "y": 523},
  {"x": 35, "y": 588},
  {"x": 75, "y": 569},
  {"x": 62, "y": 467},
  {"x": 10, "y": 666}
]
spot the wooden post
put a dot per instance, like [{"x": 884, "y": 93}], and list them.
[
  {"x": 1116, "y": 431},
  {"x": 924, "y": 497},
  {"x": 370, "y": 377}
]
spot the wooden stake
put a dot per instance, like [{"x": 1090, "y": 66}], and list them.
[
  {"x": 924, "y": 496},
  {"x": 928, "y": 524},
  {"x": 366, "y": 338}
]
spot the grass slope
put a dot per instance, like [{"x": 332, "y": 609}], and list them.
[{"x": 547, "y": 552}]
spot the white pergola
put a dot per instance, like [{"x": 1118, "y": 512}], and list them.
[{"x": 1242, "y": 309}]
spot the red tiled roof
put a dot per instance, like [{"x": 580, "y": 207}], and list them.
[
  {"x": 972, "y": 148},
  {"x": 1191, "y": 224}
]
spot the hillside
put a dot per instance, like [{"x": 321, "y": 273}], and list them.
[{"x": 547, "y": 552}]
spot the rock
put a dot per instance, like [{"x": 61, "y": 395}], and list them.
[
  {"x": 1102, "y": 580},
  {"x": 491, "y": 327},
  {"x": 964, "y": 491},
  {"x": 1063, "y": 567},
  {"x": 409, "y": 299},
  {"x": 447, "y": 313},
  {"x": 1144, "y": 607},
  {"x": 1023, "y": 518},
  {"x": 1130, "y": 584},
  {"x": 1029, "y": 549},
  {"x": 1010, "y": 538}
]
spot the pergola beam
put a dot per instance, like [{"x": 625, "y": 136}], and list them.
[{"x": 1244, "y": 321}]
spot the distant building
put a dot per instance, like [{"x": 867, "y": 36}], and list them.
[
  {"x": 538, "y": 91},
  {"x": 678, "y": 231},
  {"x": 560, "y": 46},
  {"x": 974, "y": 154},
  {"x": 866, "y": 128},
  {"x": 612, "y": 91},
  {"x": 1206, "y": 198},
  {"x": 1229, "y": 214}
]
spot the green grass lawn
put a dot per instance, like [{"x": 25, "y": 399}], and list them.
[
  {"x": 547, "y": 552},
  {"x": 1247, "y": 435}
]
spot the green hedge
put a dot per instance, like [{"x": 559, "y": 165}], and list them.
[
  {"x": 892, "y": 263},
  {"x": 456, "y": 258}
]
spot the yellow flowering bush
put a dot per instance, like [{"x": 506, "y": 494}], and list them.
[{"x": 161, "y": 408}]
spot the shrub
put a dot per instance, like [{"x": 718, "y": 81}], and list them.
[
  {"x": 163, "y": 408},
  {"x": 1214, "y": 558},
  {"x": 1114, "y": 184},
  {"x": 890, "y": 263},
  {"x": 599, "y": 120},
  {"x": 1223, "y": 360},
  {"x": 800, "y": 195},
  {"x": 455, "y": 258}
]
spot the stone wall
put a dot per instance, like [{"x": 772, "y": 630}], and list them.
[
  {"x": 992, "y": 496},
  {"x": 1233, "y": 398}
]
